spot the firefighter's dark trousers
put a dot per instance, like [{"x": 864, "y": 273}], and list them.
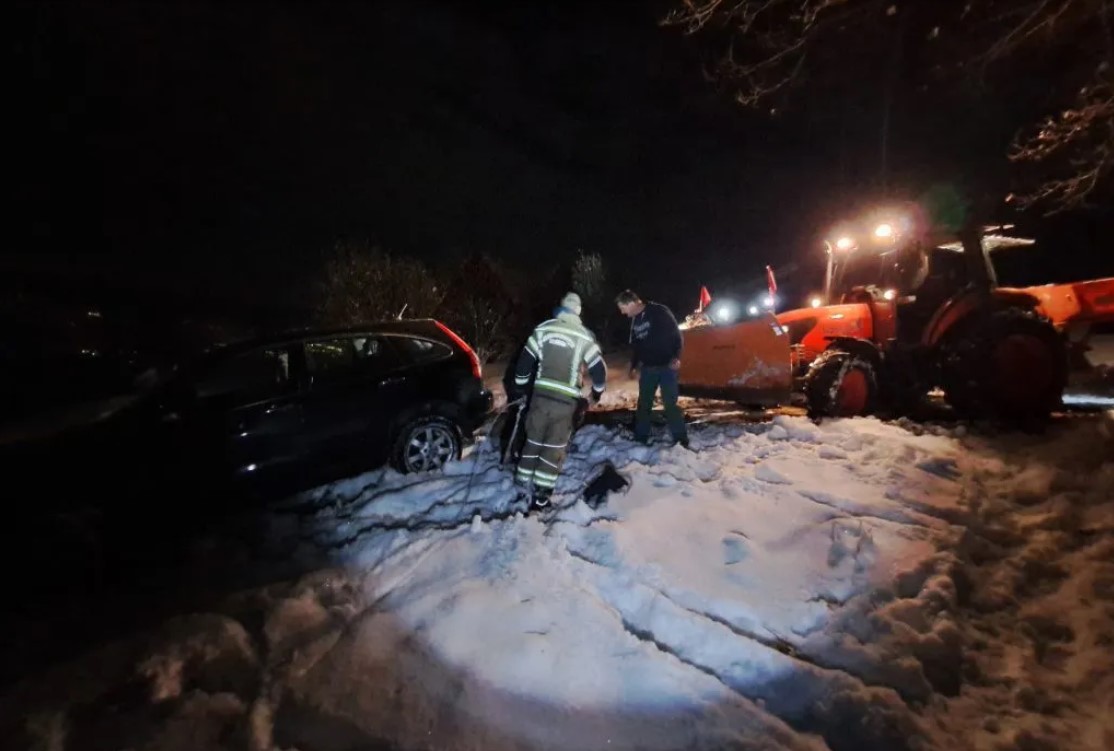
[{"x": 549, "y": 424}]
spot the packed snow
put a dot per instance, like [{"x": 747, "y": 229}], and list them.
[{"x": 786, "y": 585}]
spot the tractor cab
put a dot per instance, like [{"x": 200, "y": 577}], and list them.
[
  {"x": 906, "y": 277},
  {"x": 931, "y": 316}
]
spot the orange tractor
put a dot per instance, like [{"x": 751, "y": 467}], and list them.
[{"x": 904, "y": 312}]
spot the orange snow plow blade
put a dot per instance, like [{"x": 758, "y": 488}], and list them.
[
  {"x": 1075, "y": 303},
  {"x": 746, "y": 362}
]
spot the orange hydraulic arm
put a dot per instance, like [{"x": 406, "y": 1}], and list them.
[{"x": 1075, "y": 303}]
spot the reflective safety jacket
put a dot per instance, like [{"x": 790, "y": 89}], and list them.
[{"x": 555, "y": 353}]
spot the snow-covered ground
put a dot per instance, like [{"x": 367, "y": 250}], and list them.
[{"x": 853, "y": 585}]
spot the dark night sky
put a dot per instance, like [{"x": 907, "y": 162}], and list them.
[{"x": 230, "y": 144}]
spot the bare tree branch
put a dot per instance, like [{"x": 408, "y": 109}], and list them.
[
  {"x": 1076, "y": 146},
  {"x": 772, "y": 46},
  {"x": 769, "y": 39}
]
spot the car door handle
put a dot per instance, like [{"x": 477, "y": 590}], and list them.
[
  {"x": 391, "y": 381},
  {"x": 279, "y": 408}
]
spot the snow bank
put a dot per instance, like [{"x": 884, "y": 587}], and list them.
[
  {"x": 187, "y": 685},
  {"x": 850, "y": 585}
]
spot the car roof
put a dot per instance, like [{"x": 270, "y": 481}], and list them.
[{"x": 426, "y": 327}]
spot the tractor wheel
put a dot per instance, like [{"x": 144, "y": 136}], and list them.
[
  {"x": 1009, "y": 365},
  {"x": 841, "y": 384}
]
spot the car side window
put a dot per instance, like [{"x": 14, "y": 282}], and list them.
[
  {"x": 417, "y": 350},
  {"x": 248, "y": 377},
  {"x": 345, "y": 358},
  {"x": 329, "y": 361}
]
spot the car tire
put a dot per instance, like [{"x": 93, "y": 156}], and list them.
[{"x": 426, "y": 444}]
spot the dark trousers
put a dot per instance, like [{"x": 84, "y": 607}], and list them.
[
  {"x": 549, "y": 425},
  {"x": 509, "y": 429},
  {"x": 650, "y": 379}
]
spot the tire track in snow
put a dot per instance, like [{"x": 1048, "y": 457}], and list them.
[
  {"x": 776, "y": 643},
  {"x": 854, "y": 510},
  {"x": 646, "y": 636},
  {"x": 810, "y": 696}
]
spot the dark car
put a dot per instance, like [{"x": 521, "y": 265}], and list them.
[
  {"x": 407, "y": 392},
  {"x": 287, "y": 410}
]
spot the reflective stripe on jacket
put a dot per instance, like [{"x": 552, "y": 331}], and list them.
[{"x": 556, "y": 350}]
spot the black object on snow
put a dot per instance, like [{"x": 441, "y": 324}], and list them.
[{"x": 605, "y": 481}]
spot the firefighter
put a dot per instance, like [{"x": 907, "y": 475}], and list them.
[
  {"x": 657, "y": 358},
  {"x": 554, "y": 355}
]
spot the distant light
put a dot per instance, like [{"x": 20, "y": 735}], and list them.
[
  {"x": 768, "y": 301},
  {"x": 845, "y": 243},
  {"x": 890, "y": 294},
  {"x": 753, "y": 310},
  {"x": 94, "y": 314},
  {"x": 1091, "y": 400},
  {"x": 816, "y": 302},
  {"x": 724, "y": 313},
  {"x": 884, "y": 230},
  {"x": 251, "y": 467}
]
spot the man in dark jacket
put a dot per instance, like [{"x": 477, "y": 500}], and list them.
[{"x": 656, "y": 360}]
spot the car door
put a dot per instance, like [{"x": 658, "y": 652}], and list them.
[
  {"x": 356, "y": 383},
  {"x": 249, "y": 408}
]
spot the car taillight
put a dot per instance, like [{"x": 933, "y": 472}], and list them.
[{"x": 476, "y": 370}]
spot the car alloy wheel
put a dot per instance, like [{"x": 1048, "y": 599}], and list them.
[{"x": 428, "y": 447}]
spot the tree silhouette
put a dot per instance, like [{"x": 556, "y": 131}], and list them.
[
  {"x": 479, "y": 306},
  {"x": 776, "y": 49},
  {"x": 361, "y": 284},
  {"x": 589, "y": 280}
]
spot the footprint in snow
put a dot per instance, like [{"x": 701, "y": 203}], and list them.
[
  {"x": 771, "y": 475},
  {"x": 941, "y": 467},
  {"x": 734, "y": 551}
]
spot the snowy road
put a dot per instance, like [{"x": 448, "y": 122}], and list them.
[{"x": 855, "y": 585}]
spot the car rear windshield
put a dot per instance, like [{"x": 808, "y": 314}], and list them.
[{"x": 420, "y": 350}]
